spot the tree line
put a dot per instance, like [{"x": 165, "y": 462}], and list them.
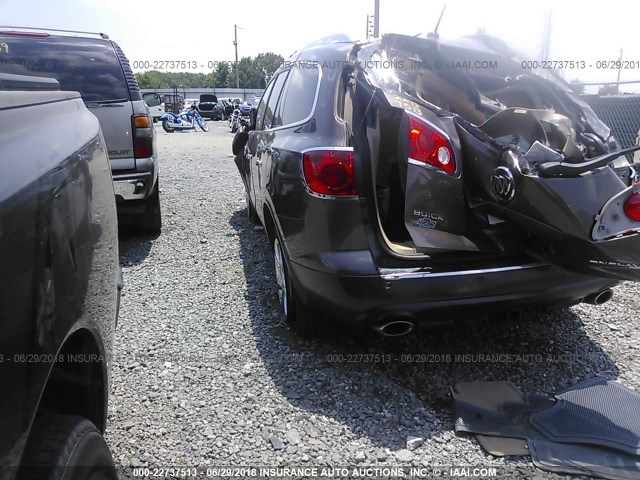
[{"x": 252, "y": 73}]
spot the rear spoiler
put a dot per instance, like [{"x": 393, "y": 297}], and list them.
[
  {"x": 561, "y": 169},
  {"x": 9, "y": 81}
]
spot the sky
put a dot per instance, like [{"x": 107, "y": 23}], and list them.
[{"x": 202, "y": 30}]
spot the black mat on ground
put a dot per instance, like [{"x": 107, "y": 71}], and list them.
[
  {"x": 512, "y": 420},
  {"x": 594, "y": 412},
  {"x": 490, "y": 396},
  {"x": 583, "y": 459},
  {"x": 503, "y": 446}
]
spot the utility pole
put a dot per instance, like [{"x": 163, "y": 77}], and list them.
[
  {"x": 619, "y": 69},
  {"x": 546, "y": 39},
  {"x": 369, "y": 27},
  {"x": 376, "y": 19},
  {"x": 235, "y": 44}
]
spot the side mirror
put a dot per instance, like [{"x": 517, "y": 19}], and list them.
[
  {"x": 239, "y": 141},
  {"x": 152, "y": 99}
]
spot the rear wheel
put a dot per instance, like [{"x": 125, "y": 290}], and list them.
[
  {"x": 66, "y": 447},
  {"x": 150, "y": 222},
  {"x": 306, "y": 323}
]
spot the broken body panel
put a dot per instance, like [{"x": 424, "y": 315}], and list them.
[{"x": 494, "y": 158}]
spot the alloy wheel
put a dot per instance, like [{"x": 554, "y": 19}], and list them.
[{"x": 281, "y": 277}]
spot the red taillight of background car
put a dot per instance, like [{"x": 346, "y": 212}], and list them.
[
  {"x": 428, "y": 145},
  {"x": 632, "y": 207},
  {"x": 330, "y": 172},
  {"x": 142, "y": 136}
]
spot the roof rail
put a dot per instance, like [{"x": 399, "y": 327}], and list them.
[{"x": 101, "y": 35}]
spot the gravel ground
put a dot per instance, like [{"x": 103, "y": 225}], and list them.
[{"x": 206, "y": 372}]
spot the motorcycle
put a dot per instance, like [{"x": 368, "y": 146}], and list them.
[
  {"x": 184, "y": 121},
  {"x": 241, "y": 117}
]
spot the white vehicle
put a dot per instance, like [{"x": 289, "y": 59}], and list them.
[
  {"x": 190, "y": 101},
  {"x": 155, "y": 104}
]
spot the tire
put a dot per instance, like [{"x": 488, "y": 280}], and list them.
[
  {"x": 66, "y": 447},
  {"x": 306, "y": 323},
  {"x": 150, "y": 222},
  {"x": 166, "y": 127},
  {"x": 234, "y": 127}
]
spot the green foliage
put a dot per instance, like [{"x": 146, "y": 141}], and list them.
[
  {"x": 252, "y": 73},
  {"x": 576, "y": 86},
  {"x": 608, "y": 89}
]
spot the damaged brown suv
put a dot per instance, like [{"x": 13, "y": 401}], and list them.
[{"x": 414, "y": 179}]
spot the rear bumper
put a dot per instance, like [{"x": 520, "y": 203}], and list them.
[
  {"x": 362, "y": 300},
  {"x": 134, "y": 186},
  {"x": 211, "y": 113},
  {"x": 138, "y": 185}
]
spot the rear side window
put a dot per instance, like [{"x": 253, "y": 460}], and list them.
[
  {"x": 300, "y": 94},
  {"x": 269, "y": 120},
  {"x": 88, "y": 66}
]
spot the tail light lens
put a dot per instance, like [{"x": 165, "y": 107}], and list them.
[
  {"x": 330, "y": 172},
  {"x": 428, "y": 145},
  {"x": 142, "y": 136},
  {"x": 632, "y": 207}
]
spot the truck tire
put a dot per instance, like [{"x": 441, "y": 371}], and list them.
[
  {"x": 66, "y": 447},
  {"x": 150, "y": 222}
]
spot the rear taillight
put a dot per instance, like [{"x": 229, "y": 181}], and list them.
[
  {"x": 632, "y": 207},
  {"x": 429, "y": 145},
  {"x": 330, "y": 172},
  {"x": 142, "y": 136}
]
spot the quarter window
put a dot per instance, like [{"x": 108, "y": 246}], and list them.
[{"x": 300, "y": 94}]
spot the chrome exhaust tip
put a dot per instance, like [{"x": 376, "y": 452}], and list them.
[
  {"x": 599, "y": 298},
  {"x": 395, "y": 328}
]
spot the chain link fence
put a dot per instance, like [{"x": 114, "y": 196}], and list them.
[{"x": 619, "y": 110}]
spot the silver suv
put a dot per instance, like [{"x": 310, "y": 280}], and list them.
[{"x": 96, "y": 66}]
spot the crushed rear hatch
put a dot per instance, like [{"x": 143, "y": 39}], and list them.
[{"x": 486, "y": 156}]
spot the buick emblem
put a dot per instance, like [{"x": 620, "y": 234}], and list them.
[{"x": 503, "y": 185}]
